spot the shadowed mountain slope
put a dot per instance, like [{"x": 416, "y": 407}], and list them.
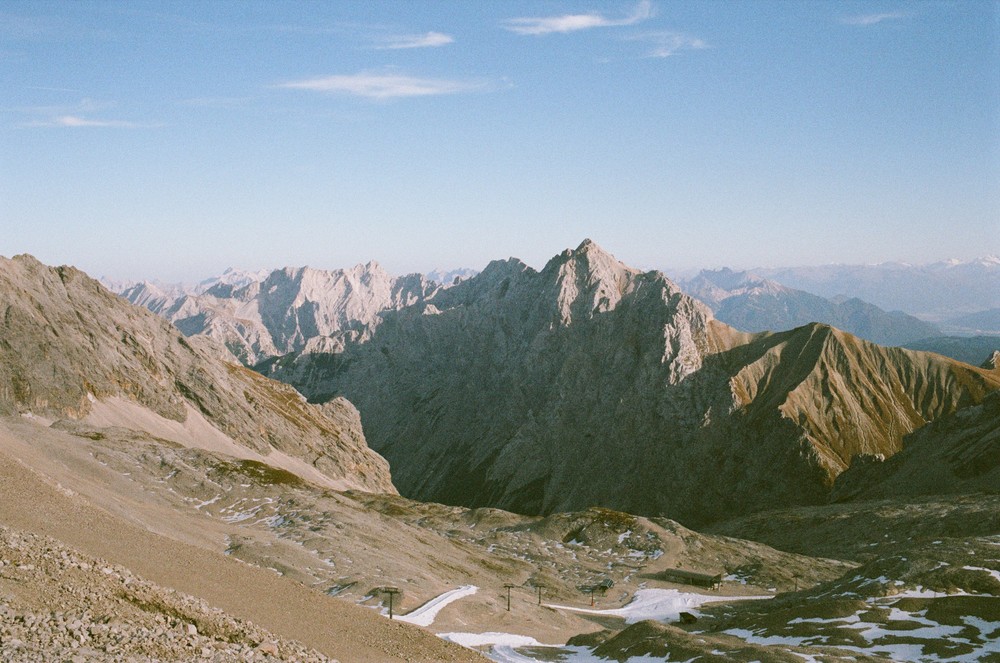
[
  {"x": 71, "y": 349},
  {"x": 956, "y": 454},
  {"x": 589, "y": 382}
]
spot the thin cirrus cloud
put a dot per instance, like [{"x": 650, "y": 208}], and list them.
[
  {"x": 428, "y": 40},
  {"x": 384, "y": 86},
  {"x": 665, "y": 44},
  {"x": 572, "y": 22},
  {"x": 76, "y": 121},
  {"x": 872, "y": 19}
]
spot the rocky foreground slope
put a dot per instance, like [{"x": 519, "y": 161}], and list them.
[
  {"x": 69, "y": 349},
  {"x": 589, "y": 382},
  {"x": 74, "y": 607}
]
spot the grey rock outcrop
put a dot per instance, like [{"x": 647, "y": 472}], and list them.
[
  {"x": 288, "y": 310},
  {"x": 67, "y": 345}
]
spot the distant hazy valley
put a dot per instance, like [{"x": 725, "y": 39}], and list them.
[{"x": 585, "y": 425}]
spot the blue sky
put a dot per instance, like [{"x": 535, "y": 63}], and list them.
[{"x": 170, "y": 140}]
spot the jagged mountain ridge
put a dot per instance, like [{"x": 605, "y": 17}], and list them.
[
  {"x": 589, "y": 382},
  {"x": 754, "y": 304},
  {"x": 70, "y": 349},
  {"x": 289, "y": 310}
]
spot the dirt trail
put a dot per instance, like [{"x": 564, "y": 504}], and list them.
[{"x": 278, "y": 604}]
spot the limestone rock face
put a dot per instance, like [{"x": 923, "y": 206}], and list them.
[
  {"x": 69, "y": 347},
  {"x": 591, "y": 383},
  {"x": 288, "y": 310}
]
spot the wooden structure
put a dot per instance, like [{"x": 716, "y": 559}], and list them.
[
  {"x": 600, "y": 588},
  {"x": 392, "y": 592},
  {"x": 508, "y": 586},
  {"x": 691, "y": 578}
]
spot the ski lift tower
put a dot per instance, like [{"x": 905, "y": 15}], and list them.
[
  {"x": 391, "y": 591},
  {"x": 508, "y": 587}
]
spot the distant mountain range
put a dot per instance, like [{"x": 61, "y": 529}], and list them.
[
  {"x": 752, "y": 303},
  {"x": 983, "y": 321},
  {"x": 970, "y": 349},
  {"x": 935, "y": 291}
]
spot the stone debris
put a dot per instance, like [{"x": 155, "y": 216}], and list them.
[{"x": 58, "y": 605}]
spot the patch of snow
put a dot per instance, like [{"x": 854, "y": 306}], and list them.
[
  {"x": 425, "y": 614},
  {"x": 985, "y": 628},
  {"x": 918, "y": 593},
  {"x": 207, "y": 502},
  {"x": 806, "y": 657},
  {"x": 491, "y": 638},
  {"x": 624, "y": 535},
  {"x": 768, "y": 640},
  {"x": 849, "y": 619},
  {"x": 992, "y": 572},
  {"x": 272, "y": 521},
  {"x": 881, "y": 580},
  {"x": 658, "y": 604}
]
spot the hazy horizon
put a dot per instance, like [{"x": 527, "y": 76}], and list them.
[
  {"x": 666, "y": 269},
  {"x": 169, "y": 142}
]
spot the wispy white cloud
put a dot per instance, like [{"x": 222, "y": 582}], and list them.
[
  {"x": 665, "y": 44},
  {"x": 83, "y": 106},
  {"x": 872, "y": 19},
  {"x": 74, "y": 121},
  {"x": 428, "y": 40},
  {"x": 572, "y": 22},
  {"x": 52, "y": 89},
  {"x": 81, "y": 114},
  {"x": 384, "y": 86}
]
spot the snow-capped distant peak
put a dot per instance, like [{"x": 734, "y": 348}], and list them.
[
  {"x": 989, "y": 261},
  {"x": 451, "y": 276}
]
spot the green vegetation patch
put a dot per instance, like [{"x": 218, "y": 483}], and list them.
[{"x": 259, "y": 473}]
